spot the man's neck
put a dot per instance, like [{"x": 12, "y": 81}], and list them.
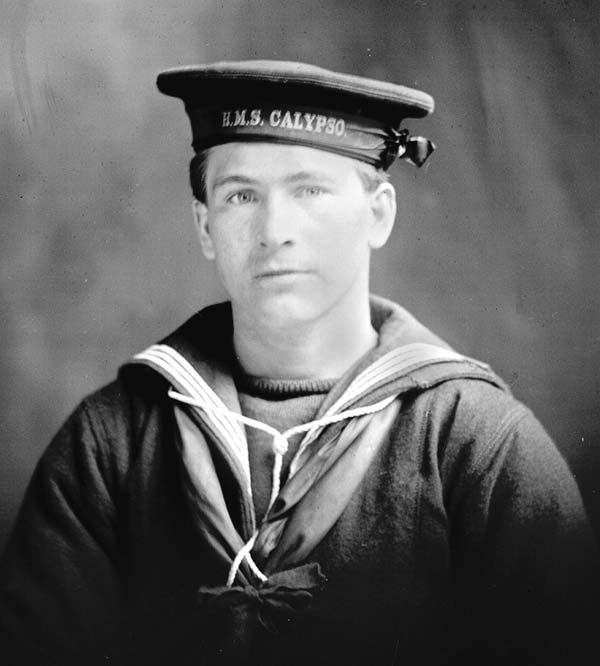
[{"x": 322, "y": 349}]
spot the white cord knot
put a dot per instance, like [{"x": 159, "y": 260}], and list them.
[{"x": 280, "y": 444}]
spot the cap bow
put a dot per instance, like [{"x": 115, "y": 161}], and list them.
[{"x": 413, "y": 149}]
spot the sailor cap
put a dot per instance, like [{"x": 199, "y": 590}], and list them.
[{"x": 297, "y": 103}]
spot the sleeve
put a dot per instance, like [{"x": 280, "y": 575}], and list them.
[
  {"x": 524, "y": 555},
  {"x": 59, "y": 577}
]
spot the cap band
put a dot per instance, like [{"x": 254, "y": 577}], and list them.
[{"x": 337, "y": 132}]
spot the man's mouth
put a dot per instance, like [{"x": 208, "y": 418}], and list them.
[{"x": 280, "y": 272}]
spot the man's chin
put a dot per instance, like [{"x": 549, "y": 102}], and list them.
[{"x": 284, "y": 310}]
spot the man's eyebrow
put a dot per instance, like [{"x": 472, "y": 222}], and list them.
[
  {"x": 234, "y": 179},
  {"x": 296, "y": 177},
  {"x": 301, "y": 176}
]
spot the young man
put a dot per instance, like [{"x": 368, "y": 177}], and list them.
[{"x": 305, "y": 474}]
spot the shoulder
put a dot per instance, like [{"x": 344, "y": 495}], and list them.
[
  {"x": 491, "y": 449},
  {"x": 466, "y": 409},
  {"x": 476, "y": 411},
  {"x": 101, "y": 431},
  {"x": 121, "y": 403},
  {"x": 126, "y": 400},
  {"x": 476, "y": 421}
]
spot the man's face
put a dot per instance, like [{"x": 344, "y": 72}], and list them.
[{"x": 290, "y": 229}]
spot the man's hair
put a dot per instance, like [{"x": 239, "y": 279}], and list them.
[{"x": 370, "y": 176}]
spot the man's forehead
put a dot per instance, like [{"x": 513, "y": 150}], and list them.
[
  {"x": 273, "y": 161},
  {"x": 295, "y": 103}
]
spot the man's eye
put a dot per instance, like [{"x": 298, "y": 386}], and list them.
[
  {"x": 241, "y": 197},
  {"x": 311, "y": 191}
]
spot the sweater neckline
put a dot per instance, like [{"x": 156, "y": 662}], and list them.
[{"x": 281, "y": 389}]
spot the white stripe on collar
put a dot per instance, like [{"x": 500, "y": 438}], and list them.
[
  {"x": 172, "y": 365},
  {"x": 188, "y": 382}
]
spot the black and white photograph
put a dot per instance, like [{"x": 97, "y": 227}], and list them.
[{"x": 300, "y": 308}]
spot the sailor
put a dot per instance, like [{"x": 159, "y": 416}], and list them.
[{"x": 303, "y": 474}]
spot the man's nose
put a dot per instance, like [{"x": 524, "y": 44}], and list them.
[{"x": 277, "y": 224}]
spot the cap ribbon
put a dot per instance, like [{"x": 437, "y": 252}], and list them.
[{"x": 365, "y": 139}]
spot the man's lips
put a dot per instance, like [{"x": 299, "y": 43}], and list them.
[{"x": 280, "y": 272}]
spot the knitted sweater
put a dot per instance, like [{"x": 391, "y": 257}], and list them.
[
  {"x": 465, "y": 539},
  {"x": 282, "y": 404}
]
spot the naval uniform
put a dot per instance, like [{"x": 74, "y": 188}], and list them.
[{"x": 462, "y": 537}]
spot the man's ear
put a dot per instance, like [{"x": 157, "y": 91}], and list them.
[
  {"x": 200, "y": 212},
  {"x": 383, "y": 210}
]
